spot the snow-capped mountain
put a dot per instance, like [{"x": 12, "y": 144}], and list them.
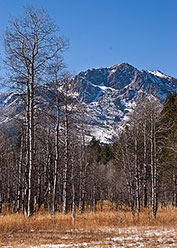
[{"x": 109, "y": 95}]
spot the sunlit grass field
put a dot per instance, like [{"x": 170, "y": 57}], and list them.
[{"x": 100, "y": 227}]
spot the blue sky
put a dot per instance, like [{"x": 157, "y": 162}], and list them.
[{"x": 107, "y": 32}]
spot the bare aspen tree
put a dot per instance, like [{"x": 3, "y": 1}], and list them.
[
  {"x": 137, "y": 173},
  {"x": 94, "y": 197},
  {"x": 152, "y": 167},
  {"x": 155, "y": 170},
  {"x": 128, "y": 172},
  {"x": 73, "y": 162},
  {"x": 66, "y": 147},
  {"x": 145, "y": 164},
  {"x": 153, "y": 161},
  {"x": 20, "y": 175},
  {"x": 31, "y": 44},
  {"x": 81, "y": 174},
  {"x": 83, "y": 170},
  {"x": 56, "y": 144},
  {"x": 48, "y": 162},
  {"x": 9, "y": 181},
  {"x": 55, "y": 72}
]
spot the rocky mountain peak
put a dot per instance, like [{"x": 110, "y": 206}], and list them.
[{"x": 109, "y": 95}]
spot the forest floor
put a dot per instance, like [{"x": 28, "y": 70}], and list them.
[{"x": 91, "y": 229}]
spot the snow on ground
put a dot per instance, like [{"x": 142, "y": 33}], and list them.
[{"x": 126, "y": 237}]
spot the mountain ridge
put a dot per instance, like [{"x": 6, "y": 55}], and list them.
[{"x": 109, "y": 95}]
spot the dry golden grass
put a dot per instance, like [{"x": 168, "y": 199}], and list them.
[{"x": 19, "y": 231}]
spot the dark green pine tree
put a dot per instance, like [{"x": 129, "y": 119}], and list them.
[
  {"x": 168, "y": 127},
  {"x": 167, "y": 137},
  {"x": 106, "y": 154},
  {"x": 95, "y": 149}
]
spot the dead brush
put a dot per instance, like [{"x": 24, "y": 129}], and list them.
[{"x": 18, "y": 227}]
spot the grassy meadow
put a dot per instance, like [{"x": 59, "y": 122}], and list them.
[{"x": 91, "y": 229}]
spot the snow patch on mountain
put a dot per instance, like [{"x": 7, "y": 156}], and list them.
[
  {"x": 159, "y": 74},
  {"x": 109, "y": 96},
  {"x": 104, "y": 135}
]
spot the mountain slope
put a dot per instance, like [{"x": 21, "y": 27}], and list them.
[{"x": 109, "y": 95}]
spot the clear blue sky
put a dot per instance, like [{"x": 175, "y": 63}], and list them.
[{"x": 107, "y": 32}]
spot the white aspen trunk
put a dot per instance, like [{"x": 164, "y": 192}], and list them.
[
  {"x": 56, "y": 154},
  {"x": 83, "y": 174},
  {"x": 31, "y": 149},
  {"x": 137, "y": 177},
  {"x": 23, "y": 193},
  {"x": 131, "y": 199},
  {"x": 73, "y": 188},
  {"x": 60, "y": 196},
  {"x": 145, "y": 167},
  {"x": 162, "y": 197},
  {"x": 14, "y": 206},
  {"x": 20, "y": 175},
  {"x": 152, "y": 166},
  {"x": 155, "y": 171},
  {"x": 81, "y": 200},
  {"x": 73, "y": 204},
  {"x": 48, "y": 167},
  {"x": 65, "y": 169},
  {"x": 84, "y": 183},
  {"x": 55, "y": 176},
  {"x": 39, "y": 191},
  {"x": 45, "y": 181},
  {"x": 81, "y": 203},
  {"x": 49, "y": 199},
  {"x": 94, "y": 197},
  {"x": 25, "y": 180},
  {"x": 35, "y": 204}
]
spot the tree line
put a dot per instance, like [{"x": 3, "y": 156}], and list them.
[{"x": 51, "y": 163}]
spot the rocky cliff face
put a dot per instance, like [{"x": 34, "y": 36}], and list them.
[{"x": 109, "y": 95}]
